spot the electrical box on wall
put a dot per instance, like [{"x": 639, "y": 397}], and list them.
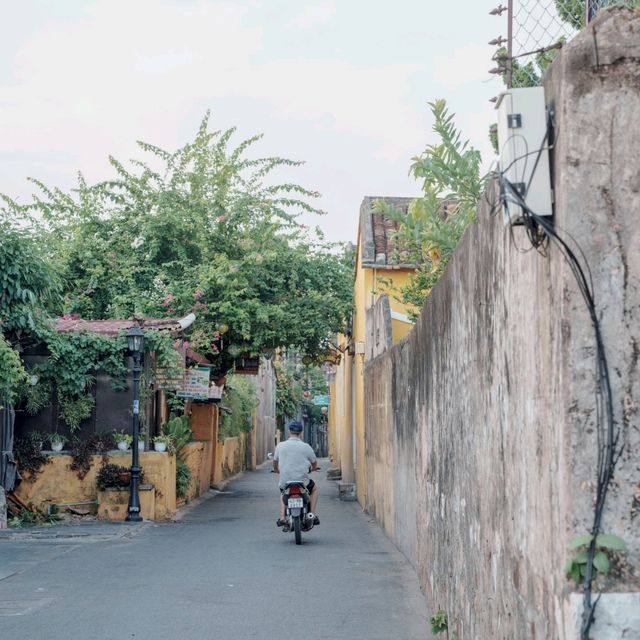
[{"x": 523, "y": 146}]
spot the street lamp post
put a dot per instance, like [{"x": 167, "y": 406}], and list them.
[{"x": 135, "y": 339}]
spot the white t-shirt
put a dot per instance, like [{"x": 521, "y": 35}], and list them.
[{"x": 294, "y": 459}]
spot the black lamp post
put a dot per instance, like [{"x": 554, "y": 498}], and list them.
[{"x": 135, "y": 338}]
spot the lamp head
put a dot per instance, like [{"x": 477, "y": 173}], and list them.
[{"x": 135, "y": 339}]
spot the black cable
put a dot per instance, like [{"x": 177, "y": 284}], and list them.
[{"x": 607, "y": 433}]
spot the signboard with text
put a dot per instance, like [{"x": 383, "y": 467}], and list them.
[
  {"x": 195, "y": 384},
  {"x": 321, "y": 401}
]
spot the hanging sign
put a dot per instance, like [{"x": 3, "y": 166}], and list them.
[
  {"x": 321, "y": 401},
  {"x": 195, "y": 384}
]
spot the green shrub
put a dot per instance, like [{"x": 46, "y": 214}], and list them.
[
  {"x": 238, "y": 404},
  {"x": 113, "y": 475},
  {"x": 178, "y": 430},
  {"x": 183, "y": 478}
]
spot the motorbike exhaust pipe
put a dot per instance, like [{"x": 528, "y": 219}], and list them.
[{"x": 310, "y": 518}]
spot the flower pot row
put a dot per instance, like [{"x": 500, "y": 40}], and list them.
[{"x": 157, "y": 446}]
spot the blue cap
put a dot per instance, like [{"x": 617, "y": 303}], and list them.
[{"x": 295, "y": 427}]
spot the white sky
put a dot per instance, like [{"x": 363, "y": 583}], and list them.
[{"x": 340, "y": 84}]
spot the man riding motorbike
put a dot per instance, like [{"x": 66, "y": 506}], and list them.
[{"x": 293, "y": 459}]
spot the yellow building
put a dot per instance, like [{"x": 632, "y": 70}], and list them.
[{"x": 379, "y": 320}]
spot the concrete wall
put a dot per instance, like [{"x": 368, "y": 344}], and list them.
[
  {"x": 379, "y": 334},
  {"x": 481, "y": 441},
  {"x": 265, "y": 414}
]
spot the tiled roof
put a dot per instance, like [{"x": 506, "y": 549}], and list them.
[
  {"x": 377, "y": 234},
  {"x": 113, "y": 327}
]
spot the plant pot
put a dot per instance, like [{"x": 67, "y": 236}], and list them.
[
  {"x": 140, "y": 445},
  {"x": 160, "y": 446},
  {"x": 57, "y": 446},
  {"x": 125, "y": 478},
  {"x": 122, "y": 445}
]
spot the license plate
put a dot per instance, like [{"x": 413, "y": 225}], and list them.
[{"x": 295, "y": 503}]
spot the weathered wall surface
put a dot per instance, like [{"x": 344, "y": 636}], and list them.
[
  {"x": 481, "y": 426},
  {"x": 231, "y": 457},
  {"x": 265, "y": 414},
  {"x": 379, "y": 336},
  {"x": 198, "y": 457}
]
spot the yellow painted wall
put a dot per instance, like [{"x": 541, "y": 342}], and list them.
[
  {"x": 363, "y": 299},
  {"x": 114, "y": 503},
  {"x": 198, "y": 456},
  {"x": 340, "y": 413},
  {"x": 369, "y": 285},
  {"x": 230, "y": 458},
  {"x": 332, "y": 434},
  {"x": 58, "y": 484}
]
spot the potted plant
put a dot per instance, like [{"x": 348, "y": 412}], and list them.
[
  {"x": 36, "y": 438},
  {"x": 141, "y": 441},
  {"x": 161, "y": 442},
  {"x": 57, "y": 441},
  {"x": 112, "y": 476},
  {"x": 123, "y": 440}
]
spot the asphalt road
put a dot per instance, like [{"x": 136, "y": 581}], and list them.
[{"x": 222, "y": 571}]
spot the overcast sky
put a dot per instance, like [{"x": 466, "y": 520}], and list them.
[{"x": 340, "y": 84}]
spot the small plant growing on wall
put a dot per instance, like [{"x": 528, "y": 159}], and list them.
[
  {"x": 606, "y": 543},
  {"x": 439, "y": 622}
]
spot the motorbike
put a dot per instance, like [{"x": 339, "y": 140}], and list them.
[{"x": 297, "y": 514}]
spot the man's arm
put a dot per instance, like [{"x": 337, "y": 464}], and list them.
[{"x": 313, "y": 461}]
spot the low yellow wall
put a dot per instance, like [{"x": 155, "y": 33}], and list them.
[
  {"x": 230, "y": 458},
  {"x": 113, "y": 504},
  {"x": 198, "y": 456},
  {"x": 58, "y": 484}
]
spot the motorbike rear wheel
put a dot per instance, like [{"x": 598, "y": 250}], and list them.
[{"x": 297, "y": 529}]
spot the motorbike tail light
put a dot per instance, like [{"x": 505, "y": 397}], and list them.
[{"x": 294, "y": 491}]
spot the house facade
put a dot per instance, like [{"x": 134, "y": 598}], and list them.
[{"x": 380, "y": 320}]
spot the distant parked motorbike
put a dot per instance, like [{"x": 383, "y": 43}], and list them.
[{"x": 297, "y": 515}]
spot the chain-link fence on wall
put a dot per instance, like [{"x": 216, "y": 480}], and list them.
[{"x": 536, "y": 29}]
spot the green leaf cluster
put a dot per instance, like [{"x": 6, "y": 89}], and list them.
[
  {"x": 576, "y": 566},
  {"x": 288, "y": 396},
  {"x": 178, "y": 432},
  {"x": 28, "y": 284},
  {"x": 12, "y": 373},
  {"x": 439, "y": 622},
  {"x": 239, "y": 402},
  {"x": 452, "y": 185},
  {"x": 184, "y": 477}
]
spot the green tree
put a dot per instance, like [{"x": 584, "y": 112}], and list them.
[
  {"x": 452, "y": 185},
  {"x": 28, "y": 283},
  {"x": 202, "y": 229}
]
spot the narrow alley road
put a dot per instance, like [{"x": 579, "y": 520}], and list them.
[{"x": 222, "y": 571}]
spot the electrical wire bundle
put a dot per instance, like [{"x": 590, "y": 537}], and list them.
[{"x": 540, "y": 230}]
